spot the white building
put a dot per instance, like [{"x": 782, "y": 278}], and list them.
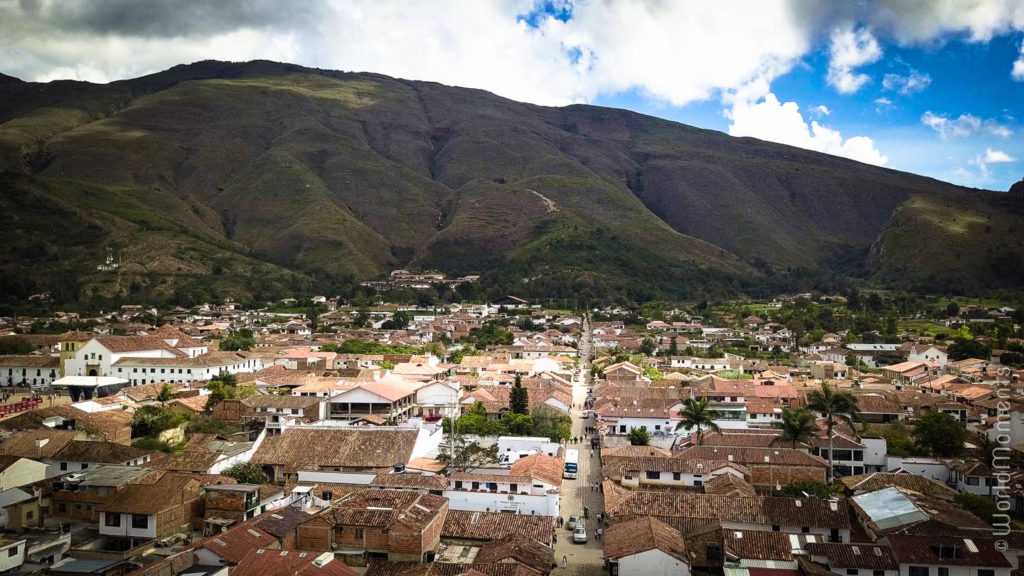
[{"x": 30, "y": 370}]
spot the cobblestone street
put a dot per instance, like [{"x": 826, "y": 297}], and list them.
[{"x": 584, "y": 559}]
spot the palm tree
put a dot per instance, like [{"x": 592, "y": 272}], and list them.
[
  {"x": 698, "y": 413},
  {"x": 832, "y": 405},
  {"x": 164, "y": 394},
  {"x": 797, "y": 425}
]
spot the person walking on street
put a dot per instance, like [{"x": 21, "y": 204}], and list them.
[{"x": 565, "y": 560}]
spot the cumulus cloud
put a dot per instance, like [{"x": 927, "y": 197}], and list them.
[
  {"x": 849, "y": 49},
  {"x": 772, "y": 120},
  {"x": 1018, "y": 67},
  {"x": 912, "y": 83},
  {"x": 965, "y": 125},
  {"x": 990, "y": 157},
  {"x": 821, "y": 110}
]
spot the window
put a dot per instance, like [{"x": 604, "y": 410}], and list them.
[
  {"x": 986, "y": 572},
  {"x": 29, "y": 514},
  {"x": 943, "y": 571},
  {"x": 140, "y": 521},
  {"x": 458, "y": 484},
  {"x": 513, "y": 487},
  {"x": 112, "y": 520},
  {"x": 775, "y": 528},
  {"x": 972, "y": 481},
  {"x": 475, "y": 486},
  {"x": 85, "y": 465},
  {"x": 359, "y": 533},
  {"x": 677, "y": 476},
  {"x": 63, "y": 466},
  {"x": 852, "y": 572},
  {"x": 918, "y": 571},
  {"x": 12, "y": 552},
  {"x": 651, "y": 475},
  {"x": 878, "y": 573},
  {"x": 805, "y": 530}
]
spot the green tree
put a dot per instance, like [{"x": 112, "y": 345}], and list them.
[
  {"x": 518, "y": 424},
  {"x": 165, "y": 394},
  {"x": 647, "y": 346},
  {"x": 832, "y": 405},
  {"x": 237, "y": 341},
  {"x": 673, "y": 347},
  {"x": 16, "y": 345},
  {"x": 639, "y": 436},
  {"x": 152, "y": 420},
  {"x": 314, "y": 318},
  {"x": 698, "y": 413},
  {"x": 519, "y": 398},
  {"x": 965, "y": 348},
  {"x": 940, "y": 434},
  {"x": 247, "y": 473},
  {"x": 981, "y": 506},
  {"x": 898, "y": 441},
  {"x": 952, "y": 309},
  {"x": 550, "y": 423},
  {"x": 797, "y": 425},
  {"x": 219, "y": 392}
]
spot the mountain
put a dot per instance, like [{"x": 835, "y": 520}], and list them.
[{"x": 251, "y": 179}]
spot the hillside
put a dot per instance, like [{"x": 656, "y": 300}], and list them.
[{"x": 257, "y": 178}]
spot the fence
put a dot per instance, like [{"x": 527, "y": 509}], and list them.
[{"x": 25, "y": 404}]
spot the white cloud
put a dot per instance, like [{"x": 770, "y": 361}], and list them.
[
  {"x": 849, "y": 49},
  {"x": 1017, "y": 73},
  {"x": 912, "y": 83},
  {"x": 964, "y": 126},
  {"x": 821, "y": 110},
  {"x": 990, "y": 157},
  {"x": 771, "y": 120},
  {"x": 997, "y": 156}
]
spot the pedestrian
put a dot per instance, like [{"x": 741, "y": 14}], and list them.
[
  {"x": 600, "y": 533},
  {"x": 565, "y": 560},
  {"x": 591, "y": 452}
]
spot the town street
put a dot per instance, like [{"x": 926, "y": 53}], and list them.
[{"x": 584, "y": 559}]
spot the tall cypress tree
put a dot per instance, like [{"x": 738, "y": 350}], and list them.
[{"x": 519, "y": 400}]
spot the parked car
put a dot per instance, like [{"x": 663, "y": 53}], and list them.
[
  {"x": 573, "y": 523},
  {"x": 579, "y": 535}
]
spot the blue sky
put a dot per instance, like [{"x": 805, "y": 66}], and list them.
[{"x": 933, "y": 87}]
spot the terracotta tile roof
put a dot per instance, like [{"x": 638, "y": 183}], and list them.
[
  {"x": 680, "y": 465},
  {"x": 152, "y": 498},
  {"x": 313, "y": 449},
  {"x": 236, "y": 543},
  {"x": 409, "y": 480},
  {"x": 30, "y": 361},
  {"x": 907, "y": 480},
  {"x": 279, "y": 401},
  {"x": 403, "y": 509},
  {"x": 728, "y": 485},
  {"x": 26, "y": 444},
  {"x": 466, "y": 477},
  {"x": 468, "y": 525},
  {"x": 282, "y": 521},
  {"x": 262, "y": 562},
  {"x": 767, "y": 511},
  {"x": 540, "y": 467},
  {"x": 635, "y": 452},
  {"x": 877, "y": 404},
  {"x": 766, "y": 439},
  {"x": 926, "y": 550},
  {"x": 122, "y": 344},
  {"x": 754, "y": 456},
  {"x": 758, "y": 544},
  {"x": 864, "y": 556},
  {"x": 641, "y": 535},
  {"x": 146, "y": 391},
  {"x": 427, "y": 464},
  {"x": 99, "y": 452},
  {"x": 520, "y": 549},
  {"x": 384, "y": 568},
  {"x": 193, "y": 403}
]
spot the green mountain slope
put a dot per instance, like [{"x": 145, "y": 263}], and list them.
[{"x": 204, "y": 175}]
